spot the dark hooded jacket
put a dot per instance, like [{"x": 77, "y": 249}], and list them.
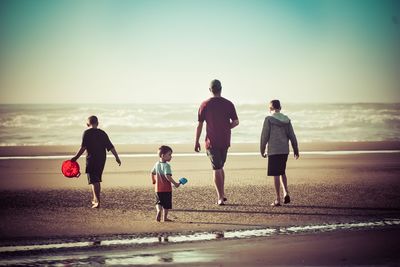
[{"x": 276, "y": 133}]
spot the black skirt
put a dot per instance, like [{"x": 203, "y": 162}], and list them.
[{"x": 277, "y": 164}]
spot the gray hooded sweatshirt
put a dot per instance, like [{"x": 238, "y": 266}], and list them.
[{"x": 276, "y": 132}]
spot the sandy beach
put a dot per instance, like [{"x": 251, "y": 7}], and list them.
[{"x": 37, "y": 202}]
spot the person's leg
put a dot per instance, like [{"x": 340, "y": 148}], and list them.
[
  {"x": 166, "y": 215},
  {"x": 277, "y": 190},
  {"x": 284, "y": 185},
  {"x": 286, "y": 196},
  {"x": 96, "y": 188},
  {"x": 158, "y": 216},
  {"x": 218, "y": 173},
  {"x": 224, "y": 153},
  {"x": 219, "y": 184},
  {"x": 223, "y": 184}
]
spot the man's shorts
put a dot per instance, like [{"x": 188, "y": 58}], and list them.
[
  {"x": 217, "y": 157},
  {"x": 164, "y": 199},
  {"x": 93, "y": 178}
]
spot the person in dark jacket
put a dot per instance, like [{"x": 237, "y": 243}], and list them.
[
  {"x": 276, "y": 133},
  {"x": 95, "y": 141}
]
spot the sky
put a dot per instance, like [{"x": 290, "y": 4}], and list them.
[{"x": 298, "y": 51}]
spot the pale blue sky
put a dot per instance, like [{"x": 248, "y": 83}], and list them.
[{"x": 168, "y": 51}]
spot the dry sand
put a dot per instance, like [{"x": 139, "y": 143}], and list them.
[{"x": 37, "y": 202}]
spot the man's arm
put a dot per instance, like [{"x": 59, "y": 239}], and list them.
[
  {"x": 80, "y": 152},
  {"x": 234, "y": 123},
  {"x": 116, "y": 155},
  {"x": 199, "y": 128}
]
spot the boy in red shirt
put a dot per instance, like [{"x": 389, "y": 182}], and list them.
[{"x": 161, "y": 176}]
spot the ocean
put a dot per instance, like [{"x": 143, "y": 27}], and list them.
[{"x": 50, "y": 124}]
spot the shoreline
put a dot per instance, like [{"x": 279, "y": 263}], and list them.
[
  {"x": 146, "y": 239},
  {"x": 61, "y": 150},
  {"x": 345, "y": 247},
  {"x": 151, "y": 155}
]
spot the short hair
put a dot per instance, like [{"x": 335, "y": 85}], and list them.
[
  {"x": 276, "y": 104},
  {"x": 215, "y": 86},
  {"x": 162, "y": 150},
  {"x": 93, "y": 120}
]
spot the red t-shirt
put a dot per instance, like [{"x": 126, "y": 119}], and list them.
[{"x": 218, "y": 113}]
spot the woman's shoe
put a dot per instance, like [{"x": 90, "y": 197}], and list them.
[
  {"x": 220, "y": 203},
  {"x": 275, "y": 204}
]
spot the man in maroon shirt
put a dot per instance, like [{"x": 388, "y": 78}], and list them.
[{"x": 220, "y": 116}]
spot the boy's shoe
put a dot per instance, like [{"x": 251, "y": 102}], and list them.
[{"x": 286, "y": 200}]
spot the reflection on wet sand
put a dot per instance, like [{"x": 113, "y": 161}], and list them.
[{"x": 105, "y": 251}]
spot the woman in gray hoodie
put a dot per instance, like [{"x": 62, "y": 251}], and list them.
[{"x": 276, "y": 133}]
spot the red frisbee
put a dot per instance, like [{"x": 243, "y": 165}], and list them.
[{"x": 70, "y": 169}]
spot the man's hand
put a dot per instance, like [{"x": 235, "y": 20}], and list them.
[
  {"x": 73, "y": 159},
  {"x": 296, "y": 156},
  {"x": 118, "y": 161},
  {"x": 197, "y": 147}
]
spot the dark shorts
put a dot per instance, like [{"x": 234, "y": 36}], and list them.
[
  {"x": 217, "y": 157},
  {"x": 164, "y": 199},
  {"x": 277, "y": 164},
  {"x": 93, "y": 178}
]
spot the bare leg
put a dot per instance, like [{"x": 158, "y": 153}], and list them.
[
  {"x": 284, "y": 185},
  {"x": 219, "y": 184},
  {"x": 158, "y": 216},
  {"x": 223, "y": 183},
  {"x": 96, "y": 189},
  {"x": 165, "y": 215},
  {"x": 277, "y": 189}
]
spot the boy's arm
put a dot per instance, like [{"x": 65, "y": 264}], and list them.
[
  {"x": 116, "y": 155},
  {"x": 199, "y": 128},
  {"x": 169, "y": 178},
  {"x": 153, "y": 178},
  {"x": 264, "y": 137},
  {"x": 80, "y": 152}
]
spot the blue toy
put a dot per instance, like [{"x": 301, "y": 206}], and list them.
[{"x": 183, "y": 180}]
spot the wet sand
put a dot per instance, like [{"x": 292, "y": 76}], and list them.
[
  {"x": 37, "y": 202},
  {"x": 347, "y": 248}
]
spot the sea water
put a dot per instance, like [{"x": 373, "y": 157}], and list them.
[{"x": 53, "y": 124}]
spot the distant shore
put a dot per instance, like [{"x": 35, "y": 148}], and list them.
[{"x": 186, "y": 148}]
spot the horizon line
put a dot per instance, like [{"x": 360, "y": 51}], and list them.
[{"x": 192, "y": 103}]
